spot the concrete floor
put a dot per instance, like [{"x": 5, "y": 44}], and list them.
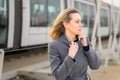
[
  {"x": 19, "y": 62},
  {"x": 112, "y": 72}
]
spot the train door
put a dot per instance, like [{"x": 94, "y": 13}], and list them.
[
  {"x": 91, "y": 18},
  {"x": 116, "y": 21},
  {"x": 38, "y": 15},
  {"x": 11, "y": 20},
  {"x": 3, "y": 24},
  {"x": 6, "y": 23}
]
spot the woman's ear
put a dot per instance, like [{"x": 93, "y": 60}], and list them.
[{"x": 65, "y": 24}]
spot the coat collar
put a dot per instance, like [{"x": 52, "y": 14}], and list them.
[{"x": 64, "y": 39}]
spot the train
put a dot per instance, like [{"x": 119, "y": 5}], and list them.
[{"x": 25, "y": 23}]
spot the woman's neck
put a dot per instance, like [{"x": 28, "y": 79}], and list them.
[{"x": 70, "y": 36}]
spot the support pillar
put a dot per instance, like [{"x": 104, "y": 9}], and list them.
[{"x": 1, "y": 61}]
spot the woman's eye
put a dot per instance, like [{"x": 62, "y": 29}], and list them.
[{"x": 77, "y": 21}]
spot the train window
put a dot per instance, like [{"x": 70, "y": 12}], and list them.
[
  {"x": 38, "y": 13},
  {"x": 43, "y": 12},
  {"x": 119, "y": 25},
  {"x": 84, "y": 14},
  {"x": 115, "y": 17},
  {"x": 77, "y": 5},
  {"x": 53, "y": 10},
  {"x": 2, "y": 3},
  {"x": 91, "y": 16},
  {"x": 104, "y": 18},
  {"x": 3, "y": 24},
  {"x": 119, "y": 20}
]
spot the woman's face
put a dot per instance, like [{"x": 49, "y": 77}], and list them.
[{"x": 74, "y": 26}]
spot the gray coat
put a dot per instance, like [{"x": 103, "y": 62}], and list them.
[{"x": 63, "y": 67}]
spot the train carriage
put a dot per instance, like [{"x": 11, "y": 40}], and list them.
[{"x": 25, "y": 23}]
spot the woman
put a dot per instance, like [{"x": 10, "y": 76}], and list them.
[{"x": 70, "y": 52}]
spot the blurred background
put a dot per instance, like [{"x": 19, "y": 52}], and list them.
[{"x": 24, "y": 26}]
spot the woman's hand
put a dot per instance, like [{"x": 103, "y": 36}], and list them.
[
  {"x": 82, "y": 38},
  {"x": 73, "y": 49}
]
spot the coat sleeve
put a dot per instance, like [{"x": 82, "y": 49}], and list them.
[
  {"x": 60, "y": 70},
  {"x": 93, "y": 60}
]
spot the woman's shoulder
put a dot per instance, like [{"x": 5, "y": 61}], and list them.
[{"x": 53, "y": 43}]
